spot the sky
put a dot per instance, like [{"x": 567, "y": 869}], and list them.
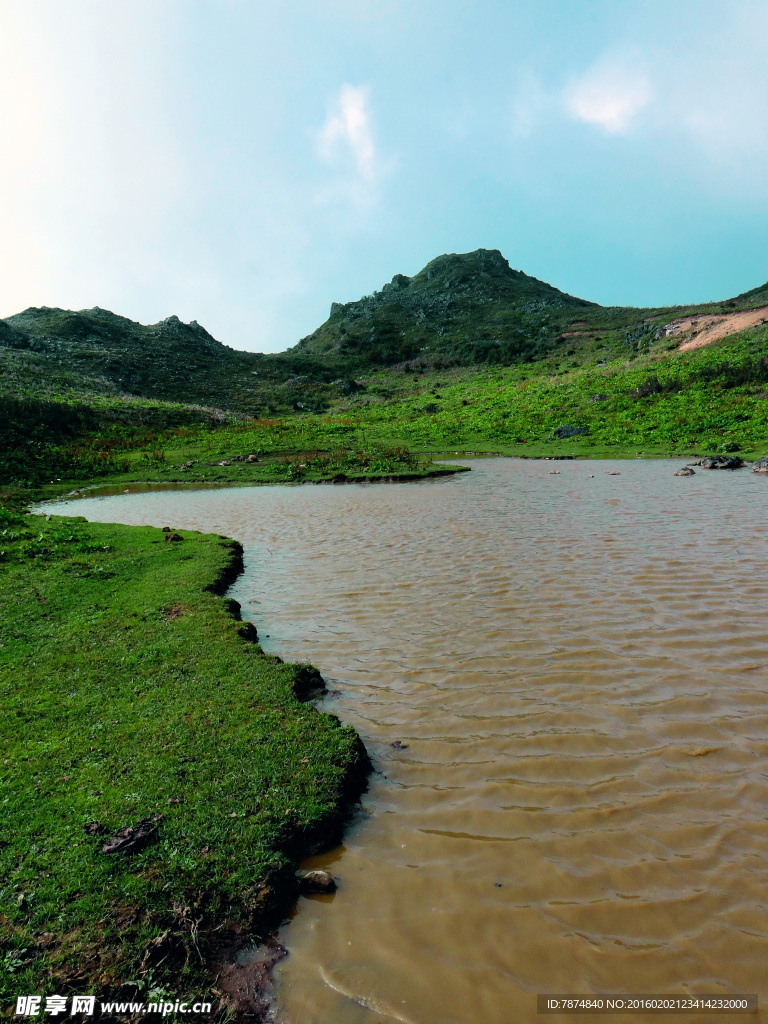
[{"x": 245, "y": 163}]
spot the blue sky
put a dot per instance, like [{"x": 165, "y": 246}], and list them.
[{"x": 244, "y": 164}]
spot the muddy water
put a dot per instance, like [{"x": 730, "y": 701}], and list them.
[{"x": 577, "y": 670}]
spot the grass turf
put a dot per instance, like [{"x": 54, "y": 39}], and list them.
[{"x": 128, "y": 692}]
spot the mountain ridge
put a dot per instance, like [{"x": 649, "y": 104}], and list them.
[{"x": 461, "y": 309}]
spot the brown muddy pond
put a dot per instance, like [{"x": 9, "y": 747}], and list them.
[{"x": 576, "y": 669}]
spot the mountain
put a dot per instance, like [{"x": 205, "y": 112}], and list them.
[
  {"x": 472, "y": 307},
  {"x": 99, "y": 352}
]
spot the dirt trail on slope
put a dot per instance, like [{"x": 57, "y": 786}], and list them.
[{"x": 701, "y": 330}]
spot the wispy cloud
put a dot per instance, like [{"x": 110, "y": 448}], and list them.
[
  {"x": 347, "y": 132},
  {"x": 345, "y": 143},
  {"x": 610, "y": 94}
]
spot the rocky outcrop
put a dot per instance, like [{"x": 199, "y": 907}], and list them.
[{"x": 567, "y": 430}]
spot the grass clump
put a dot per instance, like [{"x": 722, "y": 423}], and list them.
[{"x": 132, "y": 695}]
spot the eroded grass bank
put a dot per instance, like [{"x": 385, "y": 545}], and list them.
[{"x": 131, "y": 694}]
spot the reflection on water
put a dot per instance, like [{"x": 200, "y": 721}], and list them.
[{"x": 576, "y": 669}]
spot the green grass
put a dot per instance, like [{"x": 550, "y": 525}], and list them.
[
  {"x": 128, "y": 691},
  {"x": 660, "y": 403}
]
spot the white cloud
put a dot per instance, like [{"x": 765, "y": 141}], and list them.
[
  {"x": 610, "y": 94},
  {"x": 348, "y": 132},
  {"x": 345, "y": 142}
]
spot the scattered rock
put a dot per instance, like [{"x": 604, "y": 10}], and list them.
[
  {"x": 722, "y": 462},
  {"x": 598, "y": 398},
  {"x": 175, "y": 799},
  {"x": 685, "y": 471},
  {"x": 173, "y": 536},
  {"x": 132, "y": 838},
  {"x": 567, "y": 430},
  {"x": 614, "y": 472},
  {"x": 695, "y": 462},
  {"x": 398, "y": 745},
  {"x": 167, "y": 529},
  {"x": 761, "y": 466},
  {"x": 316, "y": 881},
  {"x": 225, "y": 462},
  {"x": 252, "y": 458},
  {"x": 554, "y": 472}
]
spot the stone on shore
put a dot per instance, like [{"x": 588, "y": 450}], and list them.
[{"x": 316, "y": 881}]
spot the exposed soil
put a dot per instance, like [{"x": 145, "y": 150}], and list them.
[
  {"x": 246, "y": 986},
  {"x": 698, "y": 331}
]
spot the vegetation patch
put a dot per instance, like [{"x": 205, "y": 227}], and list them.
[{"x": 159, "y": 775}]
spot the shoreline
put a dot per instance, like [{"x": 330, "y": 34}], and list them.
[{"x": 218, "y": 920}]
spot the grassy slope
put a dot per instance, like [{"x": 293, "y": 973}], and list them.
[
  {"x": 657, "y": 402},
  {"x": 125, "y": 684}
]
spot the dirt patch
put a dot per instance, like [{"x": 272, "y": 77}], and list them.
[
  {"x": 246, "y": 985},
  {"x": 698, "y": 331},
  {"x": 176, "y": 611}
]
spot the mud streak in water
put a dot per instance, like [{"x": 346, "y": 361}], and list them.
[{"x": 579, "y": 670}]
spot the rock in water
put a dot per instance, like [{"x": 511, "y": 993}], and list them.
[
  {"x": 761, "y": 466},
  {"x": 317, "y": 881},
  {"x": 686, "y": 471},
  {"x": 722, "y": 462}
]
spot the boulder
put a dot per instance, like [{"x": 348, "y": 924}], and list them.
[
  {"x": 567, "y": 430},
  {"x": 685, "y": 471},
  {"x": 761, "y": 466},
  {"x": 722, "y": 462}
]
